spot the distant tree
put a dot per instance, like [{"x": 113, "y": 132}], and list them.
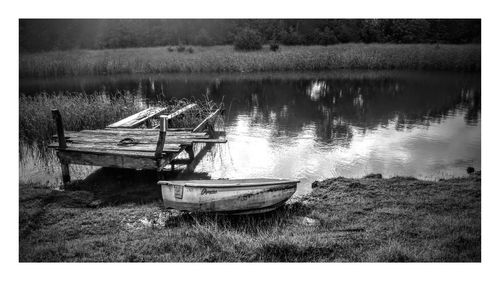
[
  {"x": 347, "y": 30},
  {"x": 291, "y": 37},
  {"x": 203, "y": 39},
  {"x": 371, "y": 31},
  {"x": 408, "y": 31},
  {"x": 455, "y": 31},
  {"x": 37, "y": 35},
  {"x": 325, "y": 37},
  {"x": 248, "y": 39}
]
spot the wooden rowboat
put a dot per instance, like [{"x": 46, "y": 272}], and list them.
[{"x": 238, "y": 196}]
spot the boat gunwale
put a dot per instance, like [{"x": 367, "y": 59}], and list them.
[{"x": 224, "y": 185}]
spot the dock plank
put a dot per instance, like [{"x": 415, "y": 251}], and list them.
[
  {"x": 113, "y": 147},
  {"x": 136, "y": 132},
  {"x": 149, "y": 129},
  {"x": 140, "y": 154},
  {"x": 179, "y": 112},
  {"x": 178, "y": 141},
  {"x": 107, "y": 160},
  {"x": 201, "y": 126},
  {"x": 103, "y": 147},
  {"x": 138, "y": 139},
  {"x": 138, "y": 118}
]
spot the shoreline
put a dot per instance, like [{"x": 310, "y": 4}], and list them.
[
  {"x": 370, "y": 219},
  {"x": 224, "y": 59}
]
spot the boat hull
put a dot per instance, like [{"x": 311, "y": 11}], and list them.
[{"x": 227, "y": 197}]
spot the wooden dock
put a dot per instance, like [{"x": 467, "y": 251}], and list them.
[{"x": 129, "y": 143}]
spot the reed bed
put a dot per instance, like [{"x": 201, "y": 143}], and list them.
[
  {"x": 226, "y": 59},
  {"x": 79, "y": 111},
  {"x": 82, "y": 111}
]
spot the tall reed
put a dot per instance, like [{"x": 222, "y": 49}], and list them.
[
  {"x": 226, "y": 59},
  {"x": 81, "y": 111}
]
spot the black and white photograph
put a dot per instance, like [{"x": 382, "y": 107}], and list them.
[{"x": 255, "y": 139}]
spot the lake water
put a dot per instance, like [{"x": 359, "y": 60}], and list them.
[{"x": 312, "y": 126}]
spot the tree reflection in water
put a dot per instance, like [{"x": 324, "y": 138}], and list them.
[{"x": 351, "y": 122}]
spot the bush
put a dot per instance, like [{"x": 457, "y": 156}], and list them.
[
  {"x": 325, "y": 37},
  {"x": 408, "y": 31},
  {"x": 203, "y": 39},
  {"x": 248, "y": 39},
  {"x": 274, "y": 46},
  {"x": 291, "y": 37},
  {"x": 181, "y": 48}
]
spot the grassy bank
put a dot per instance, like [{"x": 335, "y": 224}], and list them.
[
  {"x": 370, "y": 219},
  {"x": 226, "y": 59},
  {"x": 91, "y": 111}
]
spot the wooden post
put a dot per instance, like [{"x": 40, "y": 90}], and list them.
[
  {"x": 59, "y": 126},
  {"x": 161, "y": 140},
  {"x": 211, "y": 130},
  {"x": 190, "y": 152},
  {"x": 56, "y": 115}
]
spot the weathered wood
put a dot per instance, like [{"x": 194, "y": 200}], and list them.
[
  {"x": 66, "y": 177},
  {"x": 249, "y": 196},
  {"x": 59, "y": 126},
  {"x": 142, "y": 148},
  {"x": 190, "y": 152},
  {"x": 197, "y": 159},
  {"x": 179, "y": 112},
  {"x": 113, "y": 147},
  {"x": 112, "y": 140},
  {"x": 177, "y": 141},
  {"x": 201, "y": 126},
  {"x": 130, "y": 133},
  {"x": 161, "y": 138},
  {"x": 180, "y": 162},
  {"x": 107, "y": 160},
  {"x": 179, "y": 129},
  {"x": 210, "y": 130},
  {"x": 171, "y": 145},
  {"x": 210, "y": 141},
  {"x": 112, "y": 129},
  {"x": 141, "y": 154},
  {"x": 138, "y": 118},
  {"x": 148, "y": 129},
  {"x": 139, "y": 139}
]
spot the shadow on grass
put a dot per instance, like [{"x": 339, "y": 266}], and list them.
[
  {"x": 250, "y": 224},
  {"x": 112, "y": 186}
]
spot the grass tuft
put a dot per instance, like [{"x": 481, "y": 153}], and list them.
[{"x": 388, "y": 220}]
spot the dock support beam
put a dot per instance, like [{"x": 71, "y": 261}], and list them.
[
  {"x": 190, "y": 152},
  {"x": 160, "y": 144},
  {"x": 56, "y": 115}
]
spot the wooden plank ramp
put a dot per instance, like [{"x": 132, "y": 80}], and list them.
[
  {"x": 124, "y": 145},
  {"x": 138, "y": 118}
]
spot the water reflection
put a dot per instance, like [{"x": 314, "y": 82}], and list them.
[
  {"x": 317, "y": 90},
  {"x": 317, "y": 125}
]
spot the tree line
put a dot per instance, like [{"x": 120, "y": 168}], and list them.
[{"x": 37, "y": 35}]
